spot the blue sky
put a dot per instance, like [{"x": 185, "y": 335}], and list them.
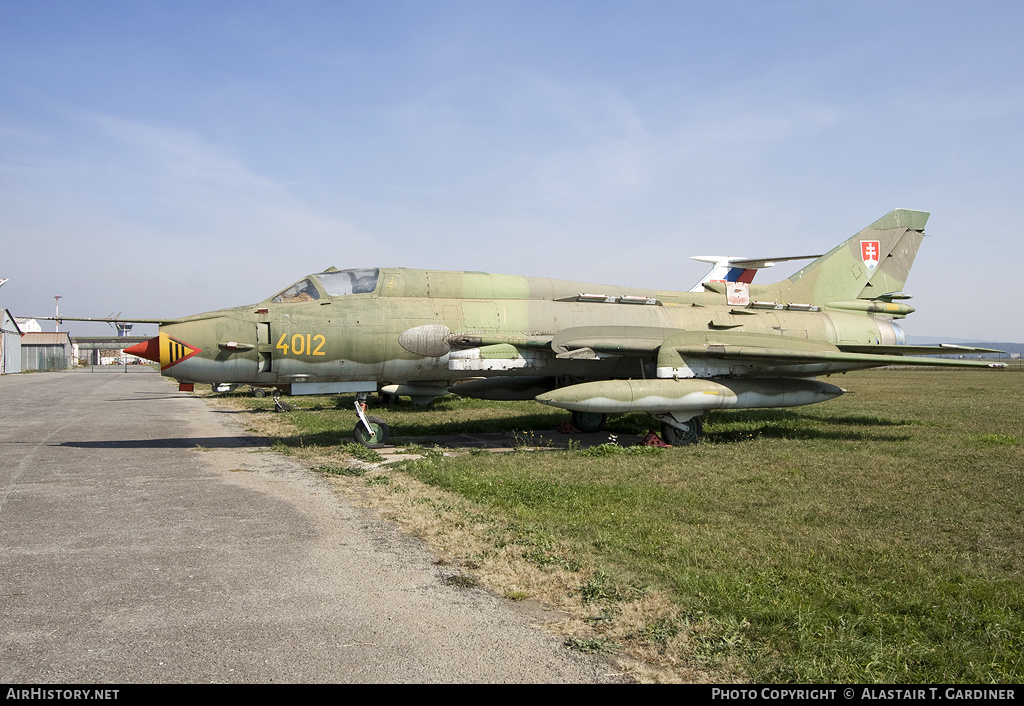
[{"x": 165, "y": 158}]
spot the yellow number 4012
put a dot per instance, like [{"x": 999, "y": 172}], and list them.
[{"x": 302, "y": 344}]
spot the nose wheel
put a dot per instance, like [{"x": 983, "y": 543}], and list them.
[
  {"x": 371, "y": 432},
  {"x": 280, "y": 406}
]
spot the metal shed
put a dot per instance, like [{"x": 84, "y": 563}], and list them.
[
  {"x": 46, "y": 351},
  {"x": 10, "y": 344}
]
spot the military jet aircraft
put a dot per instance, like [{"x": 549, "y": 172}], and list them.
[{"x": 592, "y": 349}]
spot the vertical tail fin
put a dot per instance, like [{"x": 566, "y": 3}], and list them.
[{"x": 873, "y": 263}]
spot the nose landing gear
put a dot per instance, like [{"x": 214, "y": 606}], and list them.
[{"x": 371, "y": 432}]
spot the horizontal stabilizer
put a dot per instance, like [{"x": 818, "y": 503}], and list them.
[
  {"x": 782, "y": 356},
  {"x": 941, "y": 349}
]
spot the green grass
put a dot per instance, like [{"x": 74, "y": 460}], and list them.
[
  {"x": 875, "y": 538},
  {"x": 335, "y": 417}
]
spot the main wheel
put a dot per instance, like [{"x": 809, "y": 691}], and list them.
[
  {"x": 588, "y": 422},
  {"x": 381, "y": 433},
  {"x": 675, "y": 436}
]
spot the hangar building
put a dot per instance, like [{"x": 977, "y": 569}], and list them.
[{"x": 46, "y": 351}]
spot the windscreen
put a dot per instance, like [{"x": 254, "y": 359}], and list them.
[{"x": 302, "y": 291}]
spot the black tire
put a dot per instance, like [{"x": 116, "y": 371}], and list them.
[
  {"x": 381, "y": 431},
  {"x": 674, "y": 436},
  {"x": 589, "y": 422}
]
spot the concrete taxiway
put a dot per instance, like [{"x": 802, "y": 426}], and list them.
[{"x": 145, "y": 537}]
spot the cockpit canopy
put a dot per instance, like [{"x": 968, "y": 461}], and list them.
[{"x": 335, "y": 283}]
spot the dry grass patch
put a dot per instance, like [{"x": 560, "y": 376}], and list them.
[{"x": 512, "y": 561}]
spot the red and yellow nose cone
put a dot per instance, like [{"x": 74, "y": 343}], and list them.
[{"x": 164, "y": 350}]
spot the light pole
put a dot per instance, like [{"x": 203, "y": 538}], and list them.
[{"x": 56, "y": 312}]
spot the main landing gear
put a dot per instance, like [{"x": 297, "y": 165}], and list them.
[
  {"x": 589, "y": 422},
  {"x": 680, "y": 433},
  {"x": 371, "y": 432},
  {"x": 674, "y": 432}
]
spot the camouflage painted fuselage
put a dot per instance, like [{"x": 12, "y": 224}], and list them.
[
  {"x": 363, "y": 330},
  {"x": 355, "y": 337}
]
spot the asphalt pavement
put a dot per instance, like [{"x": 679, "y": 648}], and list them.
[{"x": 145, "y": 537}]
